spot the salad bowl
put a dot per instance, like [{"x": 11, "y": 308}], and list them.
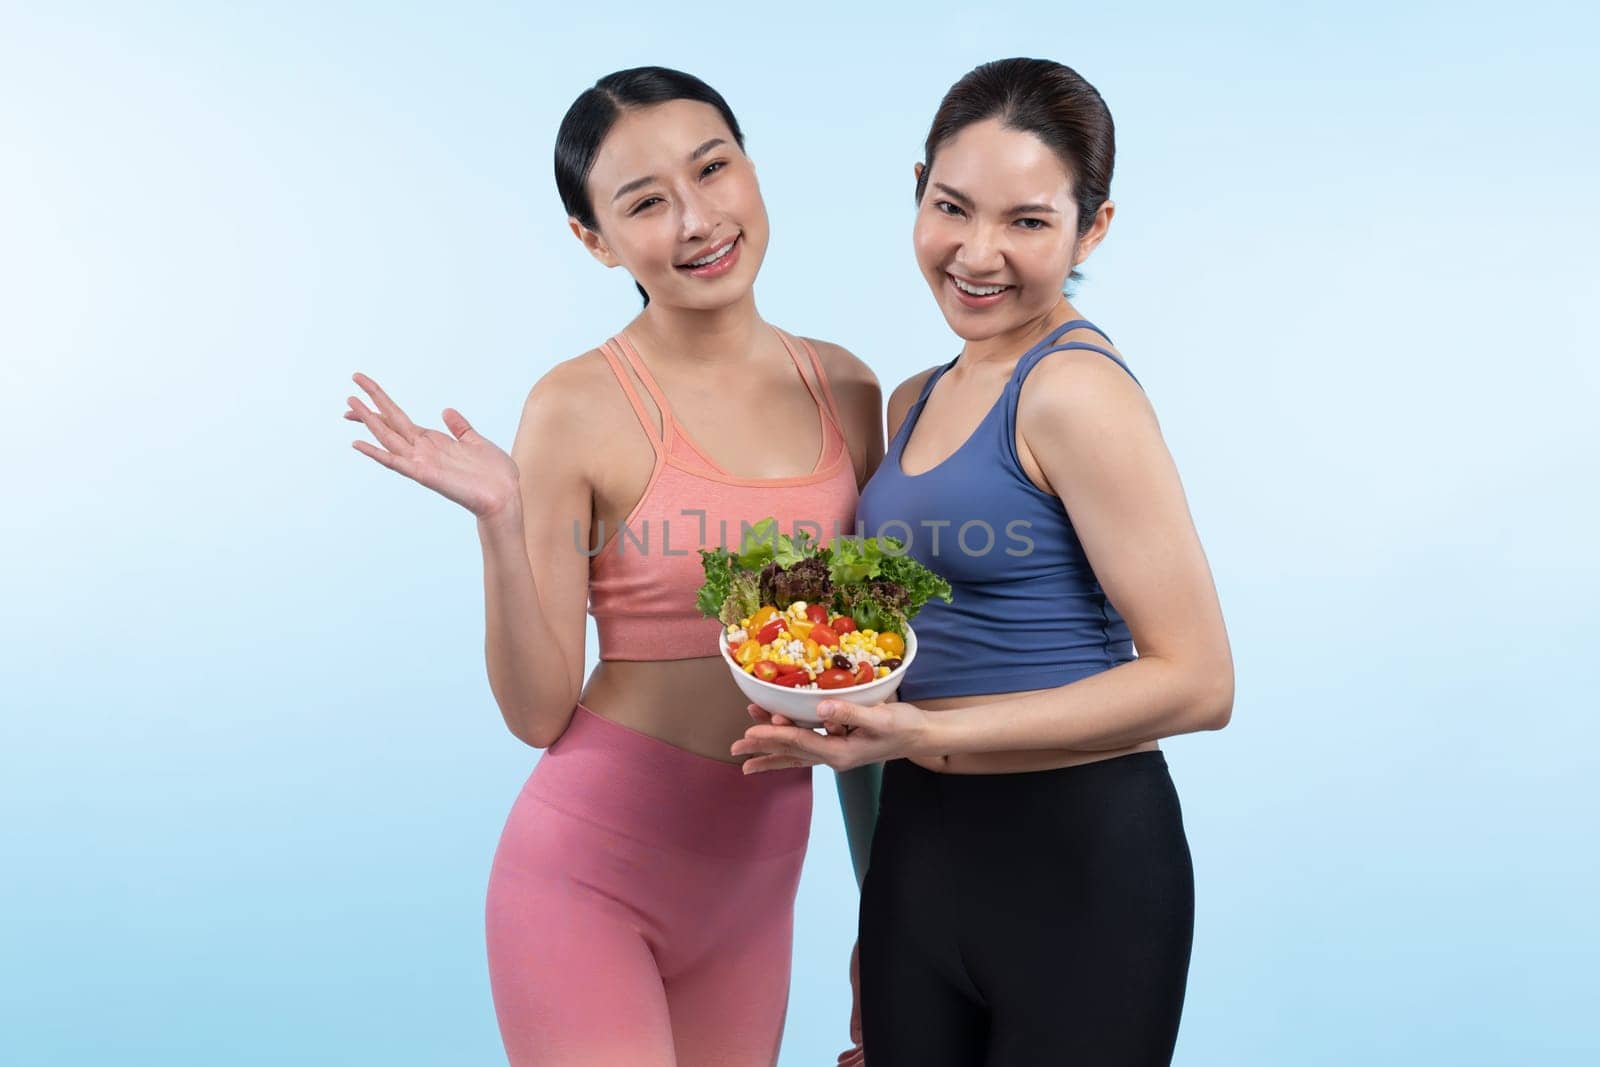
[{"x": 800, "y": 705}]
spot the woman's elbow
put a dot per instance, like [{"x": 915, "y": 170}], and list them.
[
  {"x": 530, "y": 730},
  {"x": 1216, "y": 705},
  {"x": 524, "y": 733}
]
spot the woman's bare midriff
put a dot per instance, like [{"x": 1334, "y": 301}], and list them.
[
  {"x": 1010, "y": 762},
  {"x": 690, "y": 703}
]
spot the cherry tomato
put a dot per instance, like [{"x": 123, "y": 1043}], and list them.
[
  {"x": 792, "y": 681},
  {"x": 816, "y": 613},
  {"x": 766, "y": 670},
  {"x": 825, "y": 635},
  {"x": 801, "y": 628},
  {"x": 864, "y": 672},
  {"x": 770, "y": 631},
  {"x": 834, "y": 678},
  {"x": 748, "y": 652},
  {"x": 843, "y": 624},
  {"x": 892, "y": 643},
  {"x": 759, "y": 618}
]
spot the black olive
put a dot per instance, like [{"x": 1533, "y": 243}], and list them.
[
  {"x": 841, "y": 661},
  {"x": 891, "y": 663}
]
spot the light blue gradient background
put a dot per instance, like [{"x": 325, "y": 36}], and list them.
[{"x": 251, "y": 770}]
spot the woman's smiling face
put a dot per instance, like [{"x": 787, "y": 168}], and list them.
[
  {"x": 678, "y": 205},
  {"x": 996, "y": 231}
]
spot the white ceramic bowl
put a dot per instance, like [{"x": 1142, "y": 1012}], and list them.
[{"x": 801, "y": 704}]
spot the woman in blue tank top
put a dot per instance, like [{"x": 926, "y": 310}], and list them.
[{"x": 1028, "y": 895}]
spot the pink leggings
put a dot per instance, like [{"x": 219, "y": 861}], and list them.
[{"x": 640, "y": 908}]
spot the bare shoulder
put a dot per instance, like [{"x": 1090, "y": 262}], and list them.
[
  {"x": 1079, "y": 411},
  {"x": 571, "y": 382},
  {"x": 575, "y": 402},
  {"x": 842, "y": 365},
  {"x": 567, "y": 394},
  {"x": 859, "y": 399},
  {"x": 904, "y": 395},
  {"x": 1077, "y": 383}
]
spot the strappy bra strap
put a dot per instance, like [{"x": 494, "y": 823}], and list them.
[
  {"x": 611, "y": 350},
  {"x": 637, "y": 363},
  {"x": 825, "y": 401},
  {"x": 827, "y": 387}
]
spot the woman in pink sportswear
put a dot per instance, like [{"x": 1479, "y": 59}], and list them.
[{"x": 640, "y": 903}]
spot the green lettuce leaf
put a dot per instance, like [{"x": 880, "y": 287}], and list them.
[
  {"x": 744, "y": 598},
  {"x": 920, "y": 584},
  {"x": 713, "y": 594},
  {"x": 870, "y": 579},
  {"x": 879, "y": 584}
]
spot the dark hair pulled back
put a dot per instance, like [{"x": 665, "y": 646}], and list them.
[
  {"x": 591, "y": 116},
  {"x": 1047, "y": 99}
]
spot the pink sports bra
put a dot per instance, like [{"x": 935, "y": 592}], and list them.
[{"x": 643, "y": 581}]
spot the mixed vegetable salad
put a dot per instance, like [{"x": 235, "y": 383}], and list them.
[{"x": 811, "y": 616}]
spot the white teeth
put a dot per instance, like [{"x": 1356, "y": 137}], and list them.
[
  {"x": 978, "y": 290},
  {"x": 713, "y": 257}
]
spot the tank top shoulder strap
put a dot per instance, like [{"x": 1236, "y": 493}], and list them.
[
  {"x": 825, "y": 402},
  {"x": 929, "y": 382},
  {"x": 1013, "y": 393},
  {"x": 1029, "y": 361},
  {"x": 616, "y": 352},
  {"x": 927, "y": 387},
  {"x": 1013, "y": 388},
  {"x": 909, "y": 419}
]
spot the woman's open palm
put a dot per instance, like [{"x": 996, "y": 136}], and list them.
[{"x": 467, "y": 468}]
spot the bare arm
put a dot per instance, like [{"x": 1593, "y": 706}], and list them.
[
  {"x": 535, "y": 572},
  {"x": 1095, "y": 436},
  {"x": 1096, "y": 440}
]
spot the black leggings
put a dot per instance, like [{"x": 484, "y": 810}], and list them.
[{"x": 1027, "y": 919}]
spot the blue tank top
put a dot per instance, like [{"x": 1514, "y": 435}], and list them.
[{"x": 1027, "y": 611}]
